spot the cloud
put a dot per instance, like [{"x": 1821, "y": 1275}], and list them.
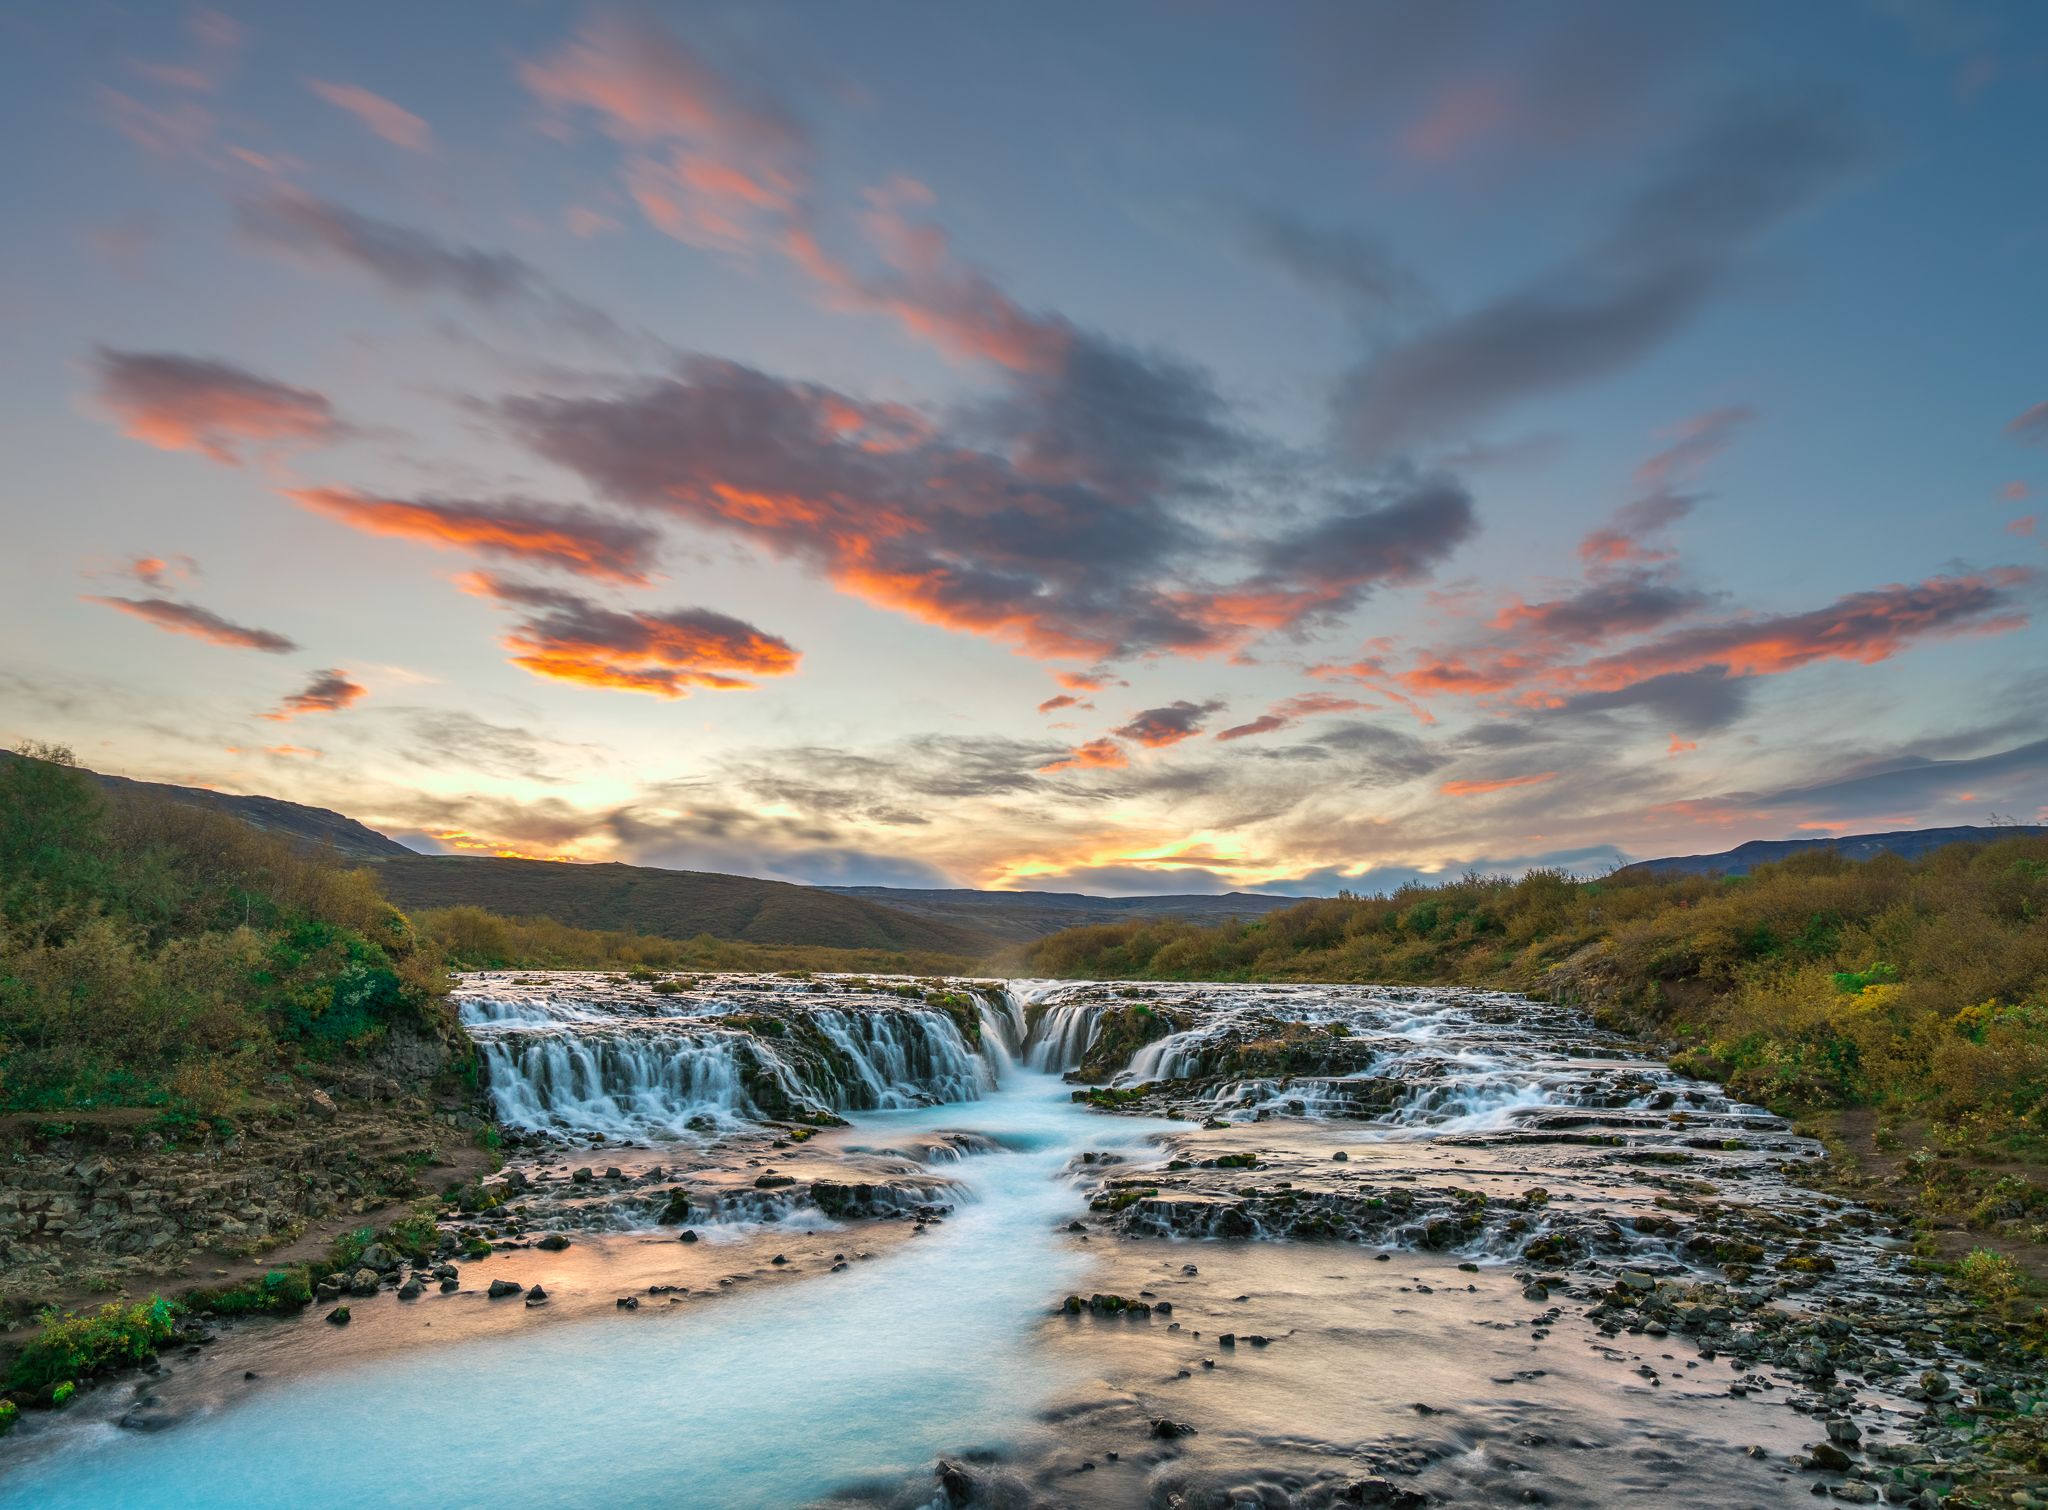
[
  {"x": 1354, "y": 269},
  {"x": 1074, "y": 530},
  {"x": 1479, "y": 788},
  {"x": 709, "y": 159},
  {"x": 394, "y": 123},
  {"x": 1064, "y": 700},
  {"x": 1096, "y": 754},
  {"x": 1694, "y": 702},
  {"x": 1886, "y": 784},
  {"x": 1157, "y": 728},
  {"x": 1672, "y": 247},
  {"x": 200, "y": 623},
  {"x": 567, "y": 637},
  {"x": 1289, "y": 711},
  {"x": 410, "y": 262},
  {"x": 1695, "y": 442},
  {"x": 567, "y": 536},
  {"x": 182, "y": 403},
  {"x": 1606, "y": 609},
  {"x": 328, "y": 692},
  {"x": 2031, "y": 426},
  {"x": 1863, "y": 627}
]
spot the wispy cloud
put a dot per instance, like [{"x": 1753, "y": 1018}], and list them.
[
  {"x": 567, "y": 536},
  {"x": 185, "y": 403}
]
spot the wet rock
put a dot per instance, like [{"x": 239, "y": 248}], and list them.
[
  {"x": 582, "y": 1177},
  {"x": 1167, "y": 1430},
  {"x": 1829, "y": 1458},
  {"x": 500, "y": 1288},
  {"x": 686, "y": 1236},
  {"x": 554, "y": 1242},
  {"x": 412, "y": 1289},
  {"x": 337, "y": 1317},
  {"x": 628, "y": 1302},
  {"x": 364, "y": 1282},
  {"x": 1844, "y": 1431},
  {"x": 955, "y": 1482}
]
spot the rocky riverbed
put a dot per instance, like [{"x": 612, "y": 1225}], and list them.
[{"x": 876, "y": 1242}]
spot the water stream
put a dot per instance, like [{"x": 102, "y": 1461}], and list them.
[{"x": 812, "y": 1354}]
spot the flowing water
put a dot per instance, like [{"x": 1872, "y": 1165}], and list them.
[{"x": 888, "y": 1292}]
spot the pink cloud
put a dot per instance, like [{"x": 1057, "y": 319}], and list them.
[{"x": 393, "y": 122}]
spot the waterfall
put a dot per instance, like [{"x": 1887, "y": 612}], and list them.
[{"x": 588, "y": 1054}]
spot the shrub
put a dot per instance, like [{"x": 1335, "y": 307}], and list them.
[
  {"x": 74, "y": 1346},
  {"x": 1991, "y": 1278},
  {"x": 278, "y": 1290}
]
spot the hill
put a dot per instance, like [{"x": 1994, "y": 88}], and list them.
[
  {"x": 316, "y": 827},
  {"x": 1016, "y": 916},
  {"x": 675, "y": 904},
  {"x": 1908, "y": 843}
]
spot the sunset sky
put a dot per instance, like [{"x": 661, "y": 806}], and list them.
[{"x": 1128, "y": 448}]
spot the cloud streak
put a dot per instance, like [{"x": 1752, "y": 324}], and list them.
[
  {"x": 185, "y": 403},
  {"x": 565, "y": 536}
]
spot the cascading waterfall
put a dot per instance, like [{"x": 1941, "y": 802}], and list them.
[{"x": 590, "y": 1055}]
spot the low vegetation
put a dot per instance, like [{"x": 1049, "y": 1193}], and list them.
[
  {"x": 472, "y": 939},
  {"x": 153, "y": 953},
  {"x": 1909, "y": 997}
]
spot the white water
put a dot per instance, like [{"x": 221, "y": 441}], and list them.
[{"x": 765, "y": 1399}]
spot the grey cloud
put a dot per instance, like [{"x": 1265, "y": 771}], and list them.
[{"x": 1674, "y": 245}]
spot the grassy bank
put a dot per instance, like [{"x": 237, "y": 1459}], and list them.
[
  {"x": 1901, "y": 1005},
  {"x": 158, "y": 954}
]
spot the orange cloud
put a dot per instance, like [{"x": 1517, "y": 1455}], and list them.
[
  {"x": 1054, "y": 704},
  {"x": 394, "y": 123},
  {"x": 567, "y": 637},
  {"x": 1096, "y": 754},
  {"x": 1290, "y": 710},
  {"x": 180, "y": 403},
  {"x": 567, "y": 536},
  {"x": 1156, "y": 728},
  {"x": 1680, "y": 746},
  {"x": 1498, "y": 784},
  {"x": 327, "y": 692},
  {"x": 299, "y": 752}
]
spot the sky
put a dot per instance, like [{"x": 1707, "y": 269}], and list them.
[{"x": 1137, "y": 448}]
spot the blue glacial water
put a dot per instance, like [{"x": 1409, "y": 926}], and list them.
[{"x": 762, "y": 1398}]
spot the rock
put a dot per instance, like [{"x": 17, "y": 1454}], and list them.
[
  {"x": 380, "y": 1258},
  {"x": 337, "y": 1317},
  {"x": 1340, "y": 1157},
  {"x": 537, "y": 1296},
  {"x": 774, "y": 1181},
  {"x": 955, "y": 1482},
  {"x": 1936, "y": 1384},
  {"x": 1636, "y": 1280},
  {"x": 1844, "y": 1431},
  {"x": 412, "y": 1289},
  {"x": 554, "y": 1242},
  {"x": 779, "y": 1259},
  {"x": 1829, "y": 1457},
  {"x": 1380, "y": 1492},
  {"x": 686, "y": 1236},
  {"x": 582, "y": 1177},
  {"x": 500, "y": 1288},
  {"x": 628, "y": 1302},
  {"x": 1167, "y": 1430},
  {"x": 322, "y": 1105},
  {"x": 364, "y": 1282},
  {"x": 450, "y": 1285},
  {"x": 676, "y": 1209}
]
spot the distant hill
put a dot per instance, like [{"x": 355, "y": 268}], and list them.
[
  {"x": 1018, "y": 915},
  {"x": 315, "y": 826},
  {"x": 677, "y": 904},
  {"x": 1744, "y": 858}
]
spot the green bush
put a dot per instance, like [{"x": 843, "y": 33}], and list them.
[{"x": 75, "y": 1346}]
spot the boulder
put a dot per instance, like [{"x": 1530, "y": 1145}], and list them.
[{"x": 500, "y": 1288}]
